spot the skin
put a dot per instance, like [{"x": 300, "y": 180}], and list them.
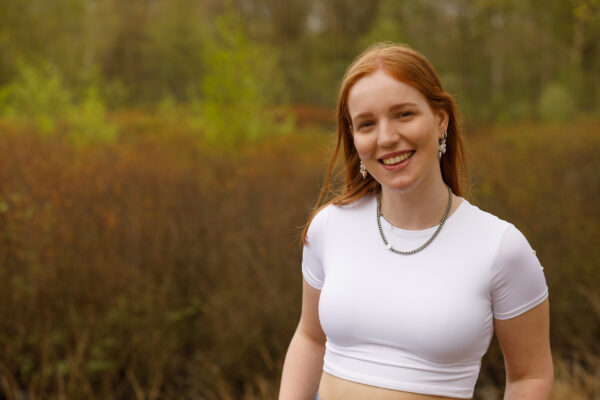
[{"x": 389, "y": 116}]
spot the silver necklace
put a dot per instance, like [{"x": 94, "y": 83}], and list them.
[{"x": 427, "y": 243}]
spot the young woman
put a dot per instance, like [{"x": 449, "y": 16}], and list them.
[{"x": 405, "y": 281}]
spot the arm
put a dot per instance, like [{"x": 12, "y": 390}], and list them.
[
  {"x": 525, "y": 344},
  {"x": 304, "y": 360}
]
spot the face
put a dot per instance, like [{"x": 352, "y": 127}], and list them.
[{"x": 396, "y": 132}]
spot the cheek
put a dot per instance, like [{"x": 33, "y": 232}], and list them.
[{"x": 364, "y": 146}]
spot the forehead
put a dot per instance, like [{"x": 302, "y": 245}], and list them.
[{"x": 381, "y": 90}]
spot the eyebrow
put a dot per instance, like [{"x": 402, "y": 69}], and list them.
[
  {"x": 392, "y": 108},
  {"x": 402, "y": 105}
]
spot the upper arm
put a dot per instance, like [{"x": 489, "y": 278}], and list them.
[
  {"x": 313, "y": 252},
  {"x": 521, "y": 317},
  {"x": 313, "y": 272},
  {"x": 309, "y": 325},
  {"x": 525, "y": 343}
]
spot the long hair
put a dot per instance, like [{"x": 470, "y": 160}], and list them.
[{"x": 408, "y": 66}]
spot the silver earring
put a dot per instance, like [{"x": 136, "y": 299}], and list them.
[
  {"x": 363, "y": 170},
  {"x": 442, "y": 145}
]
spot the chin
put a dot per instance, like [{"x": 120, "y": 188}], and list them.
[
  {"x": 406, "y": 184},
  {"x": 400, "y": 187}
]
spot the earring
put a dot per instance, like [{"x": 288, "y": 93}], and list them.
[
  {"x": 363, "y": 170},
  {"x": 442, "y": 145}
]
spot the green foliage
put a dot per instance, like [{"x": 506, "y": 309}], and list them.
[
  {"x": 389, "y": 24},
  {"x": 264, "y": 52},
  {"x": 239, "y": 81},
  {"x": 38, "y": 97},
  {"x": 169, "y": 111},
  {"x": 556, "y": 104},
  {"x": 175, "y": 36},
  {"x": 88, "y": 121}
]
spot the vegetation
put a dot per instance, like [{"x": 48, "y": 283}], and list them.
[
  {"x": 504, "y": 60},
  {"x": 160, "y": 267},
  {"x": 159, "y": 159}
]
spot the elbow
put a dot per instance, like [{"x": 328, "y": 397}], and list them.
[
  {"x": 547, "y": 376},
  {"x": 536, "y": 385},
  {"x": 550, "y": 379}
]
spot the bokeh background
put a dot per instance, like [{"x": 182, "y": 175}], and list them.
[{"x": 158, "y": 160}]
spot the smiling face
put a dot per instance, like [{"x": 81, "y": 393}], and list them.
[{"x": 396, "y": 132}]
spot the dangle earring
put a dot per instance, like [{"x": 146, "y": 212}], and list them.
[
  {"x": 442, "y": 145},
  {"x": 363, "y": 170}
]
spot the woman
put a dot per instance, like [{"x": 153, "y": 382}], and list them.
[{"x": 405, "y": 281}]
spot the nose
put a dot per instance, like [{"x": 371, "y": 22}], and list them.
[{"x": 387, "y": 135}]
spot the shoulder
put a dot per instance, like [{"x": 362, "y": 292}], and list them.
[
  {"x": 511, "y": 238},
  {"x": 517, "y": 281},
  {"x": 333, "y": 216},
  {"x": 319, "y": 220},
  {"x": 514, "y": 248},
  {"x": 481, "y": 224},
  {"x": 362, "y": 206},
  {"x": 336, "y": 212},
  {"x": 485, "y": 218},
  {"x": 511, "y": 244}
]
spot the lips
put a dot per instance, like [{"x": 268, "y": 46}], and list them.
[{"x": 396, "y": 158}]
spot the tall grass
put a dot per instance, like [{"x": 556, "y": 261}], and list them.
[{"x": 155, "y": 267}]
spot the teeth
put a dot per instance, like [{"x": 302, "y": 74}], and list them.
[{"x": 397, "y": 159}]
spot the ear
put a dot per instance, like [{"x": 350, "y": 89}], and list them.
[{"x": 444, "y": 119}]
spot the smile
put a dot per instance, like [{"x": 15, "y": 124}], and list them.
[{"x": 397, "y": 159}]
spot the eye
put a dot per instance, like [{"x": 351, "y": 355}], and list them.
[
  {"x": 366, "y": 124},
  {"x": 404, "y": 114}
]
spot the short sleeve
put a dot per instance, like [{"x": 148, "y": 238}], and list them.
[
  {"x": 518, "y": 282},
  {"x": 314, "y": 249}
]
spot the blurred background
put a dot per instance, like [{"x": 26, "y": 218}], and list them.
[{"x": 158, "y": 160}]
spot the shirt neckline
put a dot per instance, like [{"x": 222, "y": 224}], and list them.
[{"x": 396, "y": 231}]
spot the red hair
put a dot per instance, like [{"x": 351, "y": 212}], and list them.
[{"x": 412, "y": 68}]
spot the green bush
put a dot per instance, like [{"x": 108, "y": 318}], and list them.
[
  {"x": 38, "y": 98},
  {"x": 556, "y": 104},
  {"x": 88, "y": 123},
  {"x": 237, "y": 88}
]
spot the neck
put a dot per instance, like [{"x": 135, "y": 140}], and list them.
[{"x": 418, "y": 208}]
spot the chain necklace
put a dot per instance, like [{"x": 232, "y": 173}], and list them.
[{"x": 427, "y": 243}]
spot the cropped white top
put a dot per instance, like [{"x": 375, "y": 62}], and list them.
[{"x": 418, "y": 323}]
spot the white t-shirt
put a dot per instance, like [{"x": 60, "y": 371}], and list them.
[{"x": 418, "y": 323}]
